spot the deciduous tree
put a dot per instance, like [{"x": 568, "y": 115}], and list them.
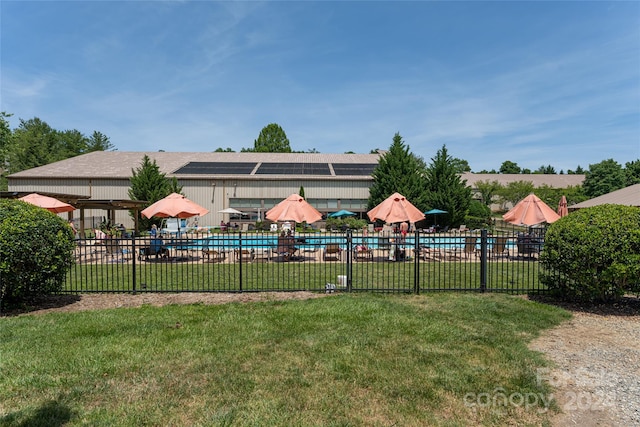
[
  {"x": 509, "y": 167},
  {"x": 632, "y": 172},
  {"x": 603, "y": 178},
  {"x": 272, "y": 139},
  {"x": 487, "y": 190},
  {"x": 515, "y": 191}
]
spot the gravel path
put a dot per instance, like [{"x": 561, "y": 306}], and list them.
[{"x": 597, "y": 369}]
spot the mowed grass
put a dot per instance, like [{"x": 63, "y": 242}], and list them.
[
  {"x": 344, "y": 360},
  {"x": 508, "y": 276}
]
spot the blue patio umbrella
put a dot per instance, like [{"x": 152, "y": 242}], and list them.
[
  {"x": 435, "y": 212},
  {"x": 341, "y": 214}
]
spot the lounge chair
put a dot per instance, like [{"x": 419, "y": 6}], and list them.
[
  {"x": 213, "y": 255},
  {"x": 245, "y": 255},
  {"x": 332, "y": 252},
  {"x": 459, "y": 230},
  {"x": 263, "y": 254},
  {"x": 363, "y": 252},
  {"x": 427, "y": 253}
]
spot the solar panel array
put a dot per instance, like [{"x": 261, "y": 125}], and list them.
[
  {"x": 293, "y": 169},
  {"x": 217, "y": 168},
  {"x": 361, "y": 169},
  {"x": 272, "y": 168}
]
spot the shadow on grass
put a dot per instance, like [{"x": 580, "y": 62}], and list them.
[
  {"x": 39, "y": 303},
  {"x": 50, "y": 414},
  {"x": 624, "y": 306}
]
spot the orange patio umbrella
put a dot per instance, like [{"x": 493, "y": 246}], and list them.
[
  {"x": 294, "y": 208},
  {"x": 563, "y": 210},
  {"x": 531, "y": 211},
  {"x": 396, "y": 208},
  {"x": 48, "y": 203},
  {"x": 174, "y": 206}
]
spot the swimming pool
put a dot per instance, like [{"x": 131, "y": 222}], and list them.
[{"x": 229, "y": 242}]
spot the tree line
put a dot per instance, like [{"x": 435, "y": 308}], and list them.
[{"x": 34, "y": 143}]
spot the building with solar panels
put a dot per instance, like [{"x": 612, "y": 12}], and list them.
[{"x": 249, "y": 182}]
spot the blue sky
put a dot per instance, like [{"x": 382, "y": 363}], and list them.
[{"x": 536, "y": 83}]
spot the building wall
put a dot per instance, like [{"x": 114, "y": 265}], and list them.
[{"x": 252, "y": 196}]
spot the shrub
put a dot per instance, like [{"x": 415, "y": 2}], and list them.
[
  {"x": 344, "y": 223},
  {"x": 478, "y": 216},
  {"x": 593, "y": 254},
  {"x": 36, "y": 251}
]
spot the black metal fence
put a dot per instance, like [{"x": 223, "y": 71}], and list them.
[{"x": 254, "y": 262}]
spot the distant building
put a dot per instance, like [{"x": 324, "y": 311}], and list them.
[{"x": 249, "y": 182}]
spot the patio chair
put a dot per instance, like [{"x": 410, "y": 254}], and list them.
[
  {"x": 499, "y": 247},
  {"x": 156, "y": 248},
  {"x": 528, "y": 246},
  {"x": 470, "y": 246},
  {"x": 286, "y": 247},
  {"x": 332, "y": 252}
]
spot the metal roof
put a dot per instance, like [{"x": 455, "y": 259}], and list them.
[{"x": 628, "y": 196}]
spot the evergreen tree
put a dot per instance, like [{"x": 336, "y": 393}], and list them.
[
  {"x": 99, "y": 142},
  {"x": 445, "y": 189},
  {"x": 398, "y": 170},
  {"x": 148, "y": 183}
]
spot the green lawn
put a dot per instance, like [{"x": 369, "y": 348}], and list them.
[
  {"x": 516, "y": 277},
  {"x": 346, "y": 360}
]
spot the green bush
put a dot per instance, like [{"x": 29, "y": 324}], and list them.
[
  {"x": 593, "y": 254},
  {"x": 36, "y": 251},
  {"x": 478, "y": 216},
  {"x": 349, "y": 222}
]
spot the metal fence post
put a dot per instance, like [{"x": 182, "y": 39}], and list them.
[
  {"x": 239, "y": 260},
  {"x": 133, "y": 265},
  {"x": 349, "y": 264},
  {"x": 416, "y": 263},
  {"x": 483, "y": 260}
]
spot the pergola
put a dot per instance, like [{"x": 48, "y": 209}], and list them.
[{"x": 82, "y": 202}]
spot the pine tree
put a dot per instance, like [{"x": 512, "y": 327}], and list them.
[
  {"x": 148, "y": 183},
  {"x": 446, "y": 190},
  {"x": 400, "y": 171}
]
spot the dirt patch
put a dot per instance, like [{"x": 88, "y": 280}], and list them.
[{"x": 71, "y": 303}]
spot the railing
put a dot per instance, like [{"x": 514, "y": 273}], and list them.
[{"x": 250, "y": 262}]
